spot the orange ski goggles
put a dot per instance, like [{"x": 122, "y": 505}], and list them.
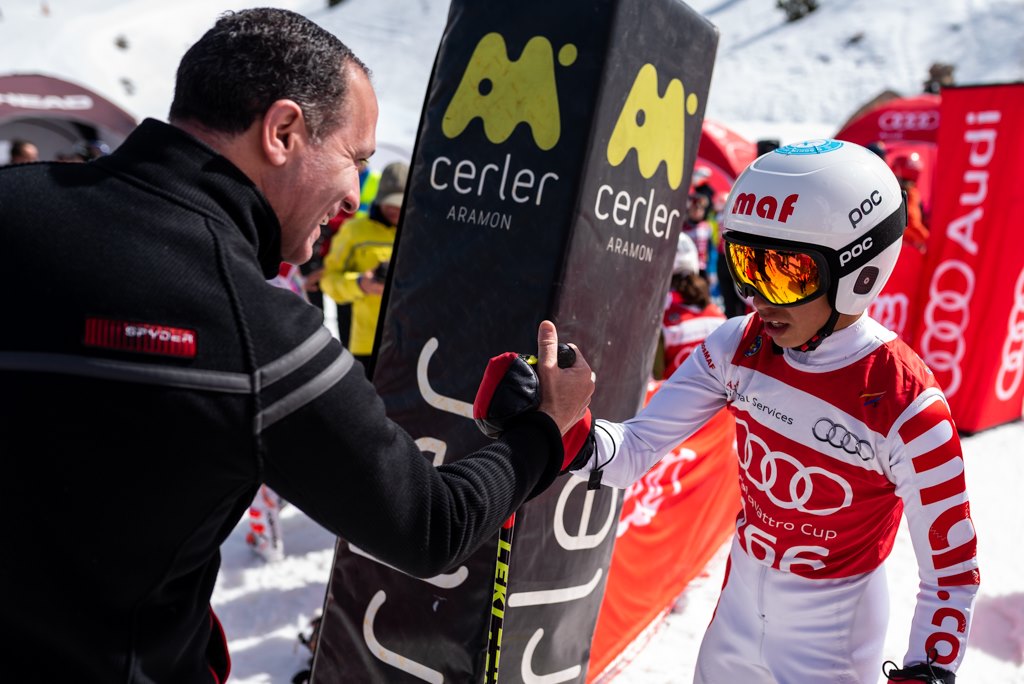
[{"x": 783, "y": 277}]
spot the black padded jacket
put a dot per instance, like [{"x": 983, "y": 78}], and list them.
[{"x": 151, "y": 379}]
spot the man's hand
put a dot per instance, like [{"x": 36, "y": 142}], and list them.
[
  {"x": 370, "y": 285},
  {"x": 565, "y": 392},
  {"x": 558, "y": 382},
  {"x": 311, "y": 283}
]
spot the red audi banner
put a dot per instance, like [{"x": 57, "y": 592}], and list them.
[
  {"x": 970, "y": 327},
  {"x": 895, "y": 306}
]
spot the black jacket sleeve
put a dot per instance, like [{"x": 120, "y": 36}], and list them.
[{"x": 340, "y": 459}]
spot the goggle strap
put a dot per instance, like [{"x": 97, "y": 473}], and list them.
[
  {"x": 819, "y": 337},
  {"x": 882, "y": 236}
]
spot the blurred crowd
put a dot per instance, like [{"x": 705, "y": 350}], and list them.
[{"x": 21, "y": 151}]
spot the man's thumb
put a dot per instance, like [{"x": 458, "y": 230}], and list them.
[{"x": 547, "y": 343}]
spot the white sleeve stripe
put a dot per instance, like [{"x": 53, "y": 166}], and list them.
[
  {"x": 931, "y": 439},
  {"x": 270, "y": 373},
  {"x": 298, "y": 398}
]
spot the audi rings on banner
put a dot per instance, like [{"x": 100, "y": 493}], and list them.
[
  {"x": 891, "y": 311},
  {"x": 896, "y": 120},
  {"x": 1012, "y": 366},
  {"x": 945, "y": 321}
]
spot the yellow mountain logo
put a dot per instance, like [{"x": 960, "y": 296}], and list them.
[
  {"x": 505, "y": 93},
  {"x": 653, "y": 125}
]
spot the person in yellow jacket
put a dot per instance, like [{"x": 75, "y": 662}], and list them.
[
  {"x": 367, "y": 191},
  {"x": 355, "y": 269}
]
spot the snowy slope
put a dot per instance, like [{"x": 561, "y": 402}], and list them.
[
  {"x": 770, "y": 74},
  {"x": 76, "y": 41},
  {"x": 771, "y": 79}
]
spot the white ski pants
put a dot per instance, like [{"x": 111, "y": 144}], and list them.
[{"x": 773, "y": 627}]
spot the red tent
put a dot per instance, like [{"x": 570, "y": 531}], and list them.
[
  {"x": 896, "y": 118},
  {"x": 725, "y": 153},
  {"x": 55, "y": 114}
]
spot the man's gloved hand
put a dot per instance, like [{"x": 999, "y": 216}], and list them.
[
  {"x": 511, "y": 387},
  {"x": 921, "y": 672}
]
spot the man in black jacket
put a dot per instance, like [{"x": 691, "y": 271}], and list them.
[{"x": 155, "y": 379}]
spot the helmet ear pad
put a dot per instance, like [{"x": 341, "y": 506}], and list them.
[{"x": 854, "y": 292}]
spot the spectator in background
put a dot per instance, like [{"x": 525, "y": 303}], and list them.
[
  {"x": 690, "y": 315},
  {"x": 697, "y": 228},
  {"x": 701, "y": 183},
  {"x": 907, "y": 168},
  {"x": 939, "y": 76},
  {"x": 85, "y": 151},
  {"x": 89, "y": 150},
  {"x": 355, "y": 269},
  {"x": 879, "y": 148},
  {"x": 23, "y": 152},
  {"x": 369, "y": 182},
  {"x": 313, "y": 269}
]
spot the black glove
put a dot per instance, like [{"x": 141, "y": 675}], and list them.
[
  {"x": 921, "y": 672},
  {"x": 510, "y": 387}
]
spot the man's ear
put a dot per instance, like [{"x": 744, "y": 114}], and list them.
[{"x": 283, "y": 131}]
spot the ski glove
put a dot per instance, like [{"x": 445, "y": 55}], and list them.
[
  {"x": 922, "y": 672},
  {"x": 510, "y": 387}
]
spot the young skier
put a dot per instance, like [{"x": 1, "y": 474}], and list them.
[{"x": 840, "y": 428}]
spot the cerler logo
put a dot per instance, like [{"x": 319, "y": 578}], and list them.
[
  {"x": 652, "y": 124},
  {"x": 504, "y": 93}
]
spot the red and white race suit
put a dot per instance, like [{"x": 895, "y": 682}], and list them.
[
  {"x": 834, "y": 445},
  {"x": 684, "y": 327}
]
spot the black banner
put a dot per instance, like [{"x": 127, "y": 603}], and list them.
[{"x": 549, "y": 180}]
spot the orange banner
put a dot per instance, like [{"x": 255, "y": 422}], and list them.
[{"x": 673, "y": 520}]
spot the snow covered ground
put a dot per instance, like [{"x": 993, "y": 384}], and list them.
[{"x": 771, "y": 80}]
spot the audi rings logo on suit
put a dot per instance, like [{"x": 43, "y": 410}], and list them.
[{"x": 840, "y": 437}]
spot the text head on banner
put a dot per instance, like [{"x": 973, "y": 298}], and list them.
[{"x": 520, "y": 132}]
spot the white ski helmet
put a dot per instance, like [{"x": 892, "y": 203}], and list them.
[
  {"x": 833, "y": 199},
  {"x": 687, "y": 260}
]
